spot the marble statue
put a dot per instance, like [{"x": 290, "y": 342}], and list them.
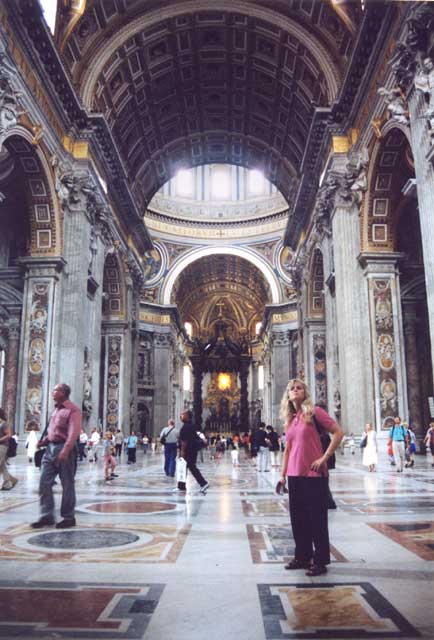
[{"x": 396, "y": 106}]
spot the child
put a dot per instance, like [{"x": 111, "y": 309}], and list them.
[
  {"x": 109, "y": 457},
  {"x": 234, "y": 454}
]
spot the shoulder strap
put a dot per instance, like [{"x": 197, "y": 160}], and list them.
[
  {"x": 317, "y": 425},
  {"x": 171, "y": 429},
  {"x": 44, "y": 433}
]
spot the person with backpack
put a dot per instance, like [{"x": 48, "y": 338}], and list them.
[
  {"x": 9, "y": 481},
  {"x": 305, "y": 469},
  {"x": 169, "y": 439},
  {"x": 398, "y": 434},
  {"x": 429, "y": 440}
]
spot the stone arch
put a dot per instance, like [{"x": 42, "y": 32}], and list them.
[
  {"x": 296, "y": 30},
  {"x": 196, "y": 254},
  {"x": 390, "y": 169},
  {"x": 43, "y": 211}
]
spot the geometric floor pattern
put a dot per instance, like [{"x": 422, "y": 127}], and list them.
[{"x": 146, "y": 563}]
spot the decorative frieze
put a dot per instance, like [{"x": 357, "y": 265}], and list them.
[
  {"x": 320, "y": 368},
  {"x": 36, "y": 354},
  {"x": 385, "y": 350}
]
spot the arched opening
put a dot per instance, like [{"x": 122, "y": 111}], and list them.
[
  {"x": 29, "y": 220},
  {"x": 391, "y": 227}
]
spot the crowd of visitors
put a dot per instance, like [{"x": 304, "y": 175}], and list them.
[{"x": 305, "y": 451}]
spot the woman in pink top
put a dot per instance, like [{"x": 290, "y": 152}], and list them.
[{"x": 305, "y": 465}]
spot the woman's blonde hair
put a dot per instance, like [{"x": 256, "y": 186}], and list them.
[{"x": 287, "y": 408}]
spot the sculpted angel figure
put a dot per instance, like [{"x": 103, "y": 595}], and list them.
[{"x": 395, "y": 99}]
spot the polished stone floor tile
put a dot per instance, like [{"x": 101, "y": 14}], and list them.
[
  {"x": 332, "y": 610},
  {"x": 126, "y": 543},
  {"x": 417, "y": 537},
  {"x": 147, "y": 562},
  {"x": 70, "y": 610}
]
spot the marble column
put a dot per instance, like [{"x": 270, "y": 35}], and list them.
[
  {"x": 280, "y": 369},
  {"x": 423, "y": 154},
  {"x": 244, "y": 396},
  {"x": 93, "y": 340},
  {"x": 114, "y": 372},
  {"x": 11, "y": 371},
  {"x": 387, "y": 350},
  {"x": 197, "y": 394},
  {"x": 352, "y": 321},
  {"x": 72, "y": 320},
  {"x": 316, "y": 374},
  {"x": 331, "y": 340},
  {"x": 409, "y": 310},
  {"x": 162, "y": 355},
  {"x": 38, "y": 340}
]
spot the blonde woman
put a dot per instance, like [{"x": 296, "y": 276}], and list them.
[
  {"x": 304, "y": 466},
  {"x": 370, "y": 450}
]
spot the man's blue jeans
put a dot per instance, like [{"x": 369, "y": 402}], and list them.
[
  {"x": 49, "y": 471},
  {"x": 170, "y": 459}
]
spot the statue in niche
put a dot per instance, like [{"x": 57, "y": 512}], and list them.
[
  {"x": 93, "y": 248},
  {"x": 87, "y": 388}
]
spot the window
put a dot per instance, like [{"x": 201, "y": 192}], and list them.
[
  {"x": 261, "y": 377},
  {"x": 49, "y": 8},
  {"x": 187, "y": 378},
  {"x": 188, "y": 329},
  {"x": 220, "y": 183},
  {"x": 185, "y": 183},
  {"x": 256, "y": 183},
  {"x": 258, "y": 327}
]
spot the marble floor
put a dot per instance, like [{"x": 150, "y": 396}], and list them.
[{"x": 144, "y": 562}]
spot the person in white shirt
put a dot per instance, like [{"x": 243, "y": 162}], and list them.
[
  {"x": 82, "y": 442},
  {"x": 94, "y": 442}
]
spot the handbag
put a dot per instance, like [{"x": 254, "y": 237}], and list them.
[
  {"x": 181, "y": 470},
  {"x": 164, "y": 437},
  {"x": 12, "y": 448},
  {"x": 281, "y": 488},
  {"x": 39, "y": 453},
  {"x": 364, "y": 441},
  {"x": 325, "y": 441}
]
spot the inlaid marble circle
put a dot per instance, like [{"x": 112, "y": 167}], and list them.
[
  {"x": 130, "y": 506},
  {"x": 93, "y": 539}
]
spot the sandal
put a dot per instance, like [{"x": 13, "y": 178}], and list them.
[
  {"x": 296, "y": 564},
  {"x": 316, "y": 570}
]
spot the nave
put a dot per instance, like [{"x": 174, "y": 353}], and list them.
[{"x": 145, "y": 562}]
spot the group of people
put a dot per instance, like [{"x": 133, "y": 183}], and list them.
[{"x": 311, "y": 438}]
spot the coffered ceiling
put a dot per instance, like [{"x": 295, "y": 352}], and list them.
[{"x": 188, "y": 82}]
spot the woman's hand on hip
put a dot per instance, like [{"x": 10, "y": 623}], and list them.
[{"x": 317, "y": 464}]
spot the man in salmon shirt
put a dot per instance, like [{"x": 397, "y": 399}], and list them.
[{"x": 59, "y": 458}]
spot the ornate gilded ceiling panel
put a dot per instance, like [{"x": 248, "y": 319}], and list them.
[{"x": 225, "y": 287}]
